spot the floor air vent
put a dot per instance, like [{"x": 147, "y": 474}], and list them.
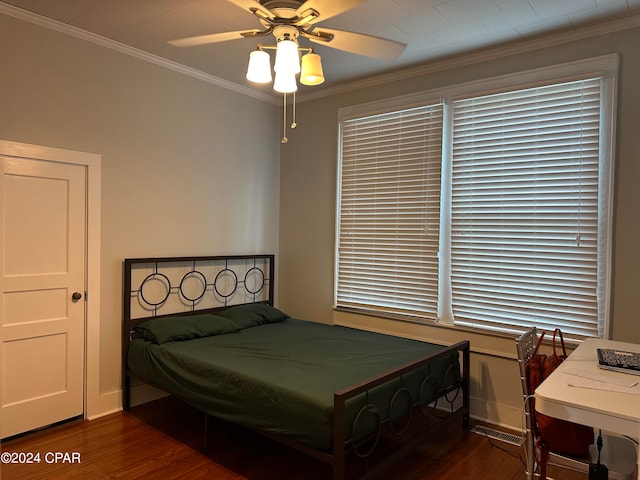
[{"x": 503, "y": 437}]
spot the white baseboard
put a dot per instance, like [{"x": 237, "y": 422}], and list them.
[
  {"x": 106, "y": 404},
  {"x": 112, "y": 402}
]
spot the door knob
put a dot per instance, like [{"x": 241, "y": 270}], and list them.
[{"x": 76, "y": 296}]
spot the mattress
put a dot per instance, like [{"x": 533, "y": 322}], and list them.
[{"x": 280, "y": 377}]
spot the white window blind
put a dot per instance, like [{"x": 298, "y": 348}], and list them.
[
  {"x": 525, "y": 217},
  {"x": 389, "y": 212}
]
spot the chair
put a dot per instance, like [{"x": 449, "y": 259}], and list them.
[{"x": 618, "y": 453}]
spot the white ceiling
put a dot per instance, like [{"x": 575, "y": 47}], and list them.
[{"x": 432, "y": 29}]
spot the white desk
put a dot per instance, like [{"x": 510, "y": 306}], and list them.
[{"x": 612, "y": 411}]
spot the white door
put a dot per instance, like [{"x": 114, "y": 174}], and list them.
[{"x": 42, "y": 274}]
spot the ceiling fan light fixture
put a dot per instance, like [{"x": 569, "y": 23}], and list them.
[
  {"x": 287, "y": 57},
  {"x": 311, "y": 69},
  {"x": 285, "y": 82},
  {"x": 259, "y": 70}
]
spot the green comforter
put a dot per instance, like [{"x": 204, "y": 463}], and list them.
[{"x": 280, "y": 377}]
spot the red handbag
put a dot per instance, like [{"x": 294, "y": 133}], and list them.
[{"x": 553, "y": 434}]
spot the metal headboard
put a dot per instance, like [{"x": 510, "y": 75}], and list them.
[{"x": 185, "y": 285}]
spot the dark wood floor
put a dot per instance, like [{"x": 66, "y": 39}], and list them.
[{"x": 163, "y": 441}]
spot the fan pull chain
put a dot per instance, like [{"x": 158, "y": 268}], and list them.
[
  {"x": 284, "y": 118},
  {"x": 293, "y": 123}
]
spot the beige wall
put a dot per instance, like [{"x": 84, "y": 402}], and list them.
[
  {"x": 307, "y": 216},
  {"x": 188, "y": 168}
]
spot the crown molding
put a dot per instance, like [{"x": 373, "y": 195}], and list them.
[
  {"x": 483, "y": 55},
  {"x": 70, "y": 30}
]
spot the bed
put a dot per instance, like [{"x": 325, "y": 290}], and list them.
[{"x": 205, "y": 329}]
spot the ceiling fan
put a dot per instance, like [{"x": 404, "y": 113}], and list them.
[{"x": 288, "y": 19}]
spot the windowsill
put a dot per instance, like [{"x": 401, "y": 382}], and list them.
[{"x": 482, "y": 342}]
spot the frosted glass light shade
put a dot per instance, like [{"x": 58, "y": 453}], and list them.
[
  {"x": 259, "y": 70},
  {"x": 287, "y": 58},
  {"x": 285, "y": 82},
  {"x": 311, "y": 70}
]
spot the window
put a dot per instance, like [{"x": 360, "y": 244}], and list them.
[{"x": 485, "y": 209}]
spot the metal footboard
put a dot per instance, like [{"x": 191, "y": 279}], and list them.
[{"x": 437, "y": 407}]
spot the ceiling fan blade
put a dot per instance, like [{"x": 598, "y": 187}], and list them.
[
  {"x": 254, "y": 7},
  {"x": 326, "y": 9},
  {"x": 212, "y": 38},
  {"x": 358, "y": 43}
]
